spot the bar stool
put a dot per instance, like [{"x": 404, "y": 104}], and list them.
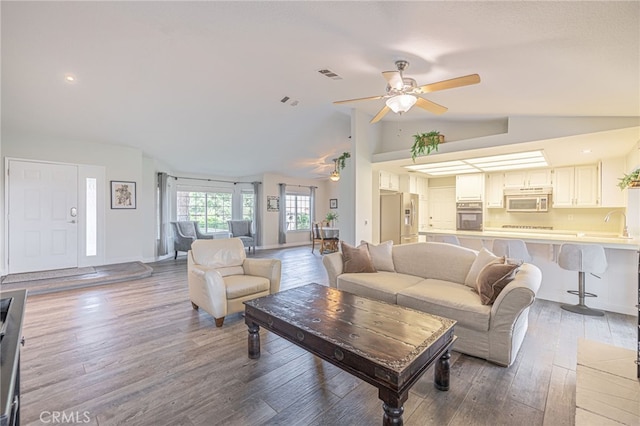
[
  {"x": 516, "y": 249},
  {"x": 449, "y": 239},
  {"x": 582, "y": 258}
]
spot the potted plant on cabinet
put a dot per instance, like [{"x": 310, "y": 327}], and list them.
[
  {"x": 631, "y": 180},
  {"x": 425, "y": 142}
]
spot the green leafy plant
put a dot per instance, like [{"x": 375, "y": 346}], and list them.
[
  {"x": 425, "y": 142},
  {"x": 331, "y": 216},
  {"x": 342, "y": 160},
  {"x": 629, "y": 180}
]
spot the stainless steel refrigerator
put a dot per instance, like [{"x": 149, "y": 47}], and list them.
[{"x": 399, "y": 218}]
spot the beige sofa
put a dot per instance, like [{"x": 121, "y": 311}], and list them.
[{"x": 430, "y": 277}]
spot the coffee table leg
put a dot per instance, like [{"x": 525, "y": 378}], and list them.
[
  {"x": 392, "y": 415},
  {"x": 254, "y": 341},
  {"x": 441, "y": 374}
]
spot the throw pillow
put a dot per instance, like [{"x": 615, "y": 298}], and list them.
[
  {"x": 493, "y": 278},
  {"x": 484, "y": 258},
  {"x": 381, "y": 255},
  {"x": 356, "y": 259}
]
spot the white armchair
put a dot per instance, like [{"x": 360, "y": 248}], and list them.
[{"x": 221, "y": 277}]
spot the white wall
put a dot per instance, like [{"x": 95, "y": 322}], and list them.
[{"x": 270, "y": 219}]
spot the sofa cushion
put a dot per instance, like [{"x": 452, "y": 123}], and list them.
[
  {"x": 493, "y": 278},
  {"x": 449, "y": 300},
  {"x": 381, "y": 255},
  {"x": 382, "y": 285},
  {"x": 356, "y": 259},
  {"x": 434, "y": 260},
  {"x": 484, "y": 258}
]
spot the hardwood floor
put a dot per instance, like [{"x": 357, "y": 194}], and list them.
[{"x": 136, "y": 353}]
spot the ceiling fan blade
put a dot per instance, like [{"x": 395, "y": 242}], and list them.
[
  {"x": 385, "y": 109},
  {"x": 371, "y": 98},
  {"x": 394, "y": 79},
  {"x": 450, "y": 84},
  {"x": 431, "y": 106}
]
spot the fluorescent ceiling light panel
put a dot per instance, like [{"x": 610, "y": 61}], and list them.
[{"x": 518, "y": 160}]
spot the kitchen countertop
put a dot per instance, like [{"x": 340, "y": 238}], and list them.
[{"x": 544, "y": 236}]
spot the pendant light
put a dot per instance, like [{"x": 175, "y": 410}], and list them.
[{"x": 335, "y": 174}]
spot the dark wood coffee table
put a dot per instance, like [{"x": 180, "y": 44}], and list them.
[{"x": 385, "y": 345}]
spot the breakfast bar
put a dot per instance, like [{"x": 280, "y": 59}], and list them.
[{"x": 617, "y": 287}]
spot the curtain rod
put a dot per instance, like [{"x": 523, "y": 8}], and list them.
[
  {"x": 299, "y": 186},
  {"x": 211, "y": 180}
]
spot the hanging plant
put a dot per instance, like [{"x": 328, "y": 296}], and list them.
[
  {"x": 631, "y": 180},
  {"x": 425, "y": 143},
  {"x": 342, "y": 160}
]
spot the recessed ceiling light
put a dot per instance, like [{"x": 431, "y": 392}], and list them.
[
  {"x": 586, "y": 151},
  {"x": 70, "y": 78}
]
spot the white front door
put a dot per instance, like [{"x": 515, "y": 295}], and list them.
[{"x": 43, "y": 208}]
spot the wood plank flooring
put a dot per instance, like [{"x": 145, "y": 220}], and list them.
[{"x": 136, "y": 353}]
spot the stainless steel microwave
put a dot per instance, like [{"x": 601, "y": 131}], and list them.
[{"x": 527, "y": 203}]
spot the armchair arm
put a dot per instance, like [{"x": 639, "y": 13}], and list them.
[
  {"x": 207, "y": 289},
  {"x": 333, "y": 264},
  {"x": 200, "y": 234},
  {"x": 267, "y": 268}
]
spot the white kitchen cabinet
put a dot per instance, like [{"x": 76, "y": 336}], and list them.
[
  {"x": 413, "y": 183},
  {"x": 389, "y": 181},
  {"x": 527, "y": 178},
  {"x": 423, "y": 215},
  {"x": 470, "y": 187},
  {"x": 576, "y": 186},
  {"x": 494, "y": 194},
  {"x": 611, "y": 169}
]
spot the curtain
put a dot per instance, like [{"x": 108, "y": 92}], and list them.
[
  {"x": 257, "y": 213},
  {"x": 312, "y": 204},
  {"x": 163, "y": 214},
  {"x": 282, "y": 214}
]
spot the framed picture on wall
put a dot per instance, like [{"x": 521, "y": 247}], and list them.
[
  {"x": 273, "y": 203},
  {"x": 333, "y": 203},
  {"x": 123, "y": 194}
]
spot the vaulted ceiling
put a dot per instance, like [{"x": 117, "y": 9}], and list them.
[{"x": 199, "y": 85}]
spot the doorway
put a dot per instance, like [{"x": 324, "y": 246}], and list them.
[{"x": 55, "y": 215}]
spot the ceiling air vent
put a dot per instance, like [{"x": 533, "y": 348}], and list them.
[
  {"x": 292, "y": 103},
  {"x": 330, "y": 74}
]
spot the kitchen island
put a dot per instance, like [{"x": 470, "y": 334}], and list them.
[{"x": 617, "y": 288}]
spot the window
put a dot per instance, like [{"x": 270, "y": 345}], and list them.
[
  {"x": 298, "y": 210},
  {"x": 247, "y": 205},
  {"x": 210, "y": 209}
]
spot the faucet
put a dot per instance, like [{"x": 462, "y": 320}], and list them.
[{"x": 625, "y": 230}]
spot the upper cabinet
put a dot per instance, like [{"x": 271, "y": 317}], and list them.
[
  {"x": 494, "y": 195},
  {"x": 527, "y": 178},
  {"x": 469, "y": 187},
  {"x": 414, "y": 183},
  {"x": 611, "y": 170},
  {"x": 576, "y": 186},
  {"x": 389, "y": 181}
]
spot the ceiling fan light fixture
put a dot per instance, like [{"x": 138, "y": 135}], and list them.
[{"x": 401, "y": 103}]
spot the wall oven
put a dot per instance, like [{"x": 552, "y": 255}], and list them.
[{"x": 469, "y": 216}]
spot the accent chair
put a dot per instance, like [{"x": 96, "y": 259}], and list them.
[
  {"x": 221, "y": 277},
  {"x": 184, "y": 234},
  {"x": 242, "y": 229}
]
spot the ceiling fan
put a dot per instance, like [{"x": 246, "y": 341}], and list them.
[{"x": 404, "y": 92}]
